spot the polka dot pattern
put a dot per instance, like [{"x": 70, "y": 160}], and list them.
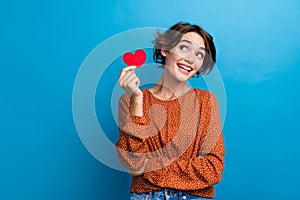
[{"x": 186, "y": 153}]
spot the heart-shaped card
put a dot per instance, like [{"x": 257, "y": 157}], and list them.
[{"x": 135, "y": 59}]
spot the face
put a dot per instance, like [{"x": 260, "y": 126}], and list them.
[{"x": 186, "y": 58}]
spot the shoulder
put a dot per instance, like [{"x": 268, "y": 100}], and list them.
[{"x": 204, "y": 94}]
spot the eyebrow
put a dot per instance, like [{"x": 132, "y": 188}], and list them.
[{"x": 190, "y": 42}]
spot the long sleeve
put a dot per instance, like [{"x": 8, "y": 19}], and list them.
[
  {"x": 134, "y": 132},
  {"x": 131, "y": 147},
  {"x": 204, "y": 168},
  {"x": 194, "y": 173}
]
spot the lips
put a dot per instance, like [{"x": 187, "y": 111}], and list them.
[{"x": 185, "y": 67}]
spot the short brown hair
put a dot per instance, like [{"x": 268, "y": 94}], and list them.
[{"x": 172, "y": 37}]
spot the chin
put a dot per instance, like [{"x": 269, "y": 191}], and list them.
[{"x": 184, "y": 78}]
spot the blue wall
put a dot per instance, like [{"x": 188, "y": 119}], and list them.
[{"x": 43, "y": 43}]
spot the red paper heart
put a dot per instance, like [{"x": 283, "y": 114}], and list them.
[{"x": 137, "y": 59}]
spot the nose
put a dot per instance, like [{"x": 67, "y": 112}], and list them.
[{"x": 189, "y": 58}]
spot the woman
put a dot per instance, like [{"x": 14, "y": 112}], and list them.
[{"x": 170, "y": 135}]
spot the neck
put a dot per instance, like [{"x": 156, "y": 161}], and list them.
[{"x": 170, "y": 88}]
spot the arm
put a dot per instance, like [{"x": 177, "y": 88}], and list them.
[
  {"x": 196, "y": 173},
  {"x": 131, "y": 146},
  {"x": 202, "y": 170},
  {"x": 134, "y": 131},
  {"x": 131, "y": 152}
]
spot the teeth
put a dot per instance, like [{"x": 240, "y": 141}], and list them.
[{"x": 186, "y": 68}]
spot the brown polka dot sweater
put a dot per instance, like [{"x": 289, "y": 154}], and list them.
[{"x": 177, "y": 143}]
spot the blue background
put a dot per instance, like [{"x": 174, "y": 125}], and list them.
[{"x": 43, "y": 43}]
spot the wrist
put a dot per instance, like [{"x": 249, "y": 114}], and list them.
[
  {"x": 137, "y": 95},
  {"x": 136, "y": 104}
]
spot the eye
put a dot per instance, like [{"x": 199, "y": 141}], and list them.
[
  {"x": 200, "y": 55},
  {"x": 183, "y": 47}
]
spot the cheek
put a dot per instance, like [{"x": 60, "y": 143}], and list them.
[
  {"x": 171, "y": 58},
  {"x": 199, "y": 65}
]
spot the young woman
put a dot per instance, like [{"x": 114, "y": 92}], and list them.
[{"x": 170, "y": 135}]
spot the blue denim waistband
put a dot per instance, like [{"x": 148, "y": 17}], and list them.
[{"x": 165, "y": 194}]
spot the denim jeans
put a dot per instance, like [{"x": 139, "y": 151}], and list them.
[{"x": 166, "y": 194}]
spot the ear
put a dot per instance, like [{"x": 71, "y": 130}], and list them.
[{"x": 163, "y": 52}]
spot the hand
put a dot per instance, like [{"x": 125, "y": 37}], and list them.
[
  {"x": 141, "y": 171},
  {"x": 129, "y": 81}
]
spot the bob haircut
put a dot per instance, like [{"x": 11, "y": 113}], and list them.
[{"x": 171, "y": 37}]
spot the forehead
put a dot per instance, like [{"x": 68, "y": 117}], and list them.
[{"x": 195, "y": 38}]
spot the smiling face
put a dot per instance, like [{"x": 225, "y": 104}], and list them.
[{"x": 186, "y": 58}]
